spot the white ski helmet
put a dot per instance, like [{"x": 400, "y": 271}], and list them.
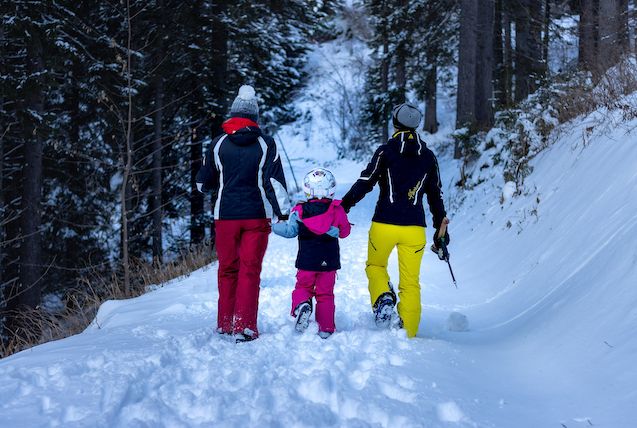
[{"x": 319, "y": 183}]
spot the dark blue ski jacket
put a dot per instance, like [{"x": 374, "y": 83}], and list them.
[
  {"x": 243, "y": 171},
  {"x": 405, "y": 171}
]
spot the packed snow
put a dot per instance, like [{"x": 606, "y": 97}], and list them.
[{"x": 539, "y": 333}]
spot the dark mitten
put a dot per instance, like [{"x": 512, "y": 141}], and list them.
[{"x": 438, "y": 240}]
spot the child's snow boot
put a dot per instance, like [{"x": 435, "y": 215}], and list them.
[
  {"x": 384, "y": 309},
  {"x": 324, "y": 334},
  {"x": 303, "y": 312}
]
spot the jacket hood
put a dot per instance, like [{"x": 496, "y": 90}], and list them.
[
  {"x": 317, "y": 223},
  {"x": 407, "y": 143},
  {"x": 245, "y": 136}
]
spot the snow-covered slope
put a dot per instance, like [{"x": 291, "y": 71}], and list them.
[{"x": 547, "y": 281}]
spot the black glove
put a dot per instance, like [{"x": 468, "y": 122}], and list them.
[
  {"x": 438, "y": 248},
  {"x": 438, "y": 240}
]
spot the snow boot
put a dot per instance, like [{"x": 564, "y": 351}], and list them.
[
  {"x": 246, "y": 336},
  {"x": 324, "y": 334},
  {"x": 303, "y": 312},
  {"x": 397, "y": 322},
  {"x": 384, "y": 309}
]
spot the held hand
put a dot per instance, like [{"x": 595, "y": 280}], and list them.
[
  {"x": 289, "y": 218},
  {"x": 438, "y": 240},
  {"x": 441, "y": 234},
  {"x": 441, "y": 240}
]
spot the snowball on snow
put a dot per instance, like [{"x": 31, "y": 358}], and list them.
[{"x": 457, "y": 322}]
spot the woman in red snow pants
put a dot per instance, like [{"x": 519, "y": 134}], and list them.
[
  {"x": 241, "y": 245},
  {"x": 243, "y": 171}
]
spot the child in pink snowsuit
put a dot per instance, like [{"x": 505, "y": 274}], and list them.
[{"x": 318, "y": 223}]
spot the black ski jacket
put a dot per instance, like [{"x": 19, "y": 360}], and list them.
[
  {"x": 317, "y": 253},
  {"x": 243, "y": 171},
  {"x": 405, "y": 170}
]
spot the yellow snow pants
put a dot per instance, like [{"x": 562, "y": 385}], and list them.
[{"x": 411, "y": 242}]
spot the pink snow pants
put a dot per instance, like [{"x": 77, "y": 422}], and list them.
[{"x": 320, "y": 285}]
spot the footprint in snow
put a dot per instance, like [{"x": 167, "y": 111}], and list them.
[
  {"x": 317, "y": 388},
  {"x": 396, "y": 392},
  {"x": 358, "y": 379},
  {"x": 405, "y": 382},
  {"x": 396, "y": 360}
]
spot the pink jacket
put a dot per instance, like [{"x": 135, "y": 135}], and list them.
[{"x": 320, "y": 224}]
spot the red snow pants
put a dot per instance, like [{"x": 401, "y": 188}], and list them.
[
  {"x": 241, "y": 245},
  {"x": 320, "y": 285}
]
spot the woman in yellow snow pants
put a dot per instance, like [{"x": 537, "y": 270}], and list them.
[
  {"x": 410, "y": 242},
  {"x": 406, "y": 171}
]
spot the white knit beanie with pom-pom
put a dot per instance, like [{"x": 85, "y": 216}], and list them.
[{"x": 245, "y": 105}]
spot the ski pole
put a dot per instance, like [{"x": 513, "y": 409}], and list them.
[{"x": 446, "y": 256}]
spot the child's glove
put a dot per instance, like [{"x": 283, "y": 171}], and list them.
[
  {"x": 333, "y": 232},
  {"x": 289, "y": 229},
  {"x": 294, "y": 216}
]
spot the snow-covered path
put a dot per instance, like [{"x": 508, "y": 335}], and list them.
[{"x": 155, "y": 361}]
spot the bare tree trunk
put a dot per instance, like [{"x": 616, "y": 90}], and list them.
[
  {"x": 401, "y": 52},
  {"x": 401, "y": 76},
  {"x": 3, "y": 219},
  {"x": 624, "y": 27},
  {"x": 528, "y": 48},
  {"x": 547, "y": 36},
  {"x": 431, "y": 93},
  {"x": 633, "y": 19},
  {"x": 157, "y": 171},
  {"x": 157, "y": 183},
  {"x": 128, "y": 159},
  {"x": 498, "y": 56},
  {"x": 467, "y": 66},
  {"x": 508, "y": 57},
  {"x": 197, "y": 230},
  {"x": 30, "y": 218},
  {"x": 588, "y": 34},
  {"x": 2, "y": 208},
  {"x": 609, "y": 29},
  {"x": 538, "y": 66},
  {"x": 484, "y": 66},
  {"x": 219, "y": 68},
  {"x": 384, "y": 82},
  {"x": 3, "y": 130}
]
